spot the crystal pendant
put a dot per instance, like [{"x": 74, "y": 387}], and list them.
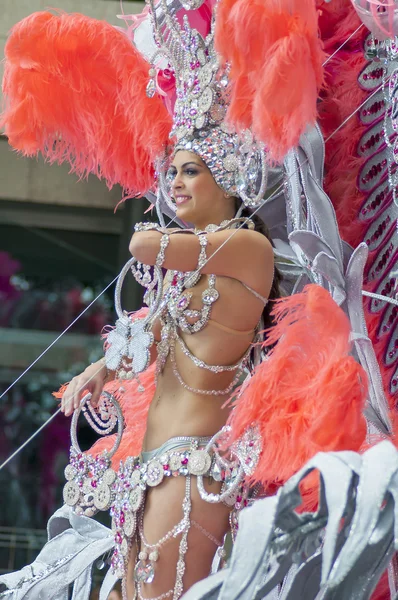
[
  {"x": 144, "y": 573},
  {"x": 216, "y": 472},
  {"x": 252, "y": 170},
  {"x": 146, "y": 278},
  {"x": 151, "y": 88},
  {"x": 191, "y": 4},
  {"x": 241, "y": 182}
]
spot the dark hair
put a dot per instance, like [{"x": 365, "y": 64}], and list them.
[{"x": 275, "y": 292}]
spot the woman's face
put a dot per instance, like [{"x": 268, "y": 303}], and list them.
[{"x": 198, "y": 198}]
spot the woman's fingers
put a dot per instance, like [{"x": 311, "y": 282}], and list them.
[
  {"x": 96, "y": 393},
  {"x": 92, "y": 380},
  {"x": 71, "y": 397}
]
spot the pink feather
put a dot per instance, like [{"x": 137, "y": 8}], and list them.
[
  {"x": 276, "y": 67},
  {"x": 309, "y": 395},
  {"x": 75, "y": 91}
]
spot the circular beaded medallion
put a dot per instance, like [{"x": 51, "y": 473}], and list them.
[
  {"x": 71, "y": 493},
  {"x": 175, "y": 462},
  {"x": 109, "y": 476},
  {"x": 199, "y": 462},
  {"x": 102, "y": 497},
  {"x": 129, "y": 524},
  {"x": 135, "y": 477},
  {"x": 155, "y": 473},
  {"x": 205, "y": 100},
  {"x": 205, "y": 77},
  {"x": 70, "y": 472},
  {"x": 124, "y": 547},
  {"x": 135, "y": 498}
]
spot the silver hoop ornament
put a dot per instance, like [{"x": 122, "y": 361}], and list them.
[
  {"x": 129, "y": 343},
  {"x": 89, "y": 486}
]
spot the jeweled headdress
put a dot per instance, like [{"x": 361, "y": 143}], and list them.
[{"x": 202, "y": 97}]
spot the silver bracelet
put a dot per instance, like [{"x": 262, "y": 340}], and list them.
[
  {"x": 203, "y": 240},
  {"x": 148, "y": 226},
  {"x": 164, "y": 242}
]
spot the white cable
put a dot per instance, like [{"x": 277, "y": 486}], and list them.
[
  {"x": 380, "y": 297},
  {"x": 18, "y": 450},
  {"x": 343, "y": 44},
  {"x": 56, "y": 339}
]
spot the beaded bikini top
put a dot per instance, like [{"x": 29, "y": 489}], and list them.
[
  {"x": 168, "y": 298},
  {"x": 177, "y": 315}
]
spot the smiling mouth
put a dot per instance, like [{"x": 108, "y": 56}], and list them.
[{"x": 182, "y": 199}]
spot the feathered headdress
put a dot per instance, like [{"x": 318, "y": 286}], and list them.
[{"x": 80, "y": 90}]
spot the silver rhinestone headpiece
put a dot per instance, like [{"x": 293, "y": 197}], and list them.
[
  {"x": 237, "y": 162},
  {"x": 218, "y": 149}
]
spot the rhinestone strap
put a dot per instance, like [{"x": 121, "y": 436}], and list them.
[
  {"x": 223, "y": 392},
  {"x": 164, "y": 242},
  {"x": 167, "y": 537},
  {"x": 182, "y": 527},
  {"x": 194, "y": 277},
  {"x": 213, "y": 368},
  {"x": 206, "y": 533},
  {"x": 203, "y": 241},
  {"x": 161, "y": 597},
  {"x": 186, "y": 506}
]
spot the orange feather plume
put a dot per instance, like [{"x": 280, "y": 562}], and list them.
[
  {"x": 75, "y": 91},
  {"x": 135, "y": 406},
  {"x": 276, "y": 60},
  {"x": 309, "y": 395}
]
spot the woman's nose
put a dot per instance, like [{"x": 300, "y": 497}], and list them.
[{"x": 177, "y": 183}]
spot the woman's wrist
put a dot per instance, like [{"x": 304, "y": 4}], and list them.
[{"x": 101, "y": 367}]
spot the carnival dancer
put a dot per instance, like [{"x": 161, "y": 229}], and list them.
[{"x": 179, "y": 477}]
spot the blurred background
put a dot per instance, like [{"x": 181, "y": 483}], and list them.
[{"x": 60, "y": 244}]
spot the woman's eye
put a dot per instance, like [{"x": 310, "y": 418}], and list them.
[{"x": 190, "y": 172}]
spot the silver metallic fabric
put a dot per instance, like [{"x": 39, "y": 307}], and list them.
[
  {"x": 338, "y": 552},
  {"x": 74, "y": 544}
]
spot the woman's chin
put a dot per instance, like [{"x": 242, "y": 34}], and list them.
[{"x": 185, "y": 212}]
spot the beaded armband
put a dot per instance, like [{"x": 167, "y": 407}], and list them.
[
  {"x": 148, "y": 226},
  {"x": 164, "y": 242},
  {"x": 203, "y": 241}
]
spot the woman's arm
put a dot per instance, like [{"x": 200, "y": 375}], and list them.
[{"x": 241, "y": 254}]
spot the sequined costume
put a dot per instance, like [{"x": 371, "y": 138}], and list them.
[{"x": 238, "y": 87}]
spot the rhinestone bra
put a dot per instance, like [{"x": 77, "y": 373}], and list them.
[
  {"x": 175, "y": 315},
  {"x": 170, "y": 304}
]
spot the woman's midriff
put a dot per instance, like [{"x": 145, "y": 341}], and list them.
[{"x": 175, "y": 411}]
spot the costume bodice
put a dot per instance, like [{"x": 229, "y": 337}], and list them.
[{"x": 177, "y": 316}]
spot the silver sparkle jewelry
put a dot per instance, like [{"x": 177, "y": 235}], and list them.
[
  {"x": 128, "y": 343},
  {"x": 89, "y": 479},
  {"x": 236, "y": 161}
]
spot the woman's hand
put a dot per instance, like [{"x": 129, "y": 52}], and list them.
[{"x": 92, "y": 379}]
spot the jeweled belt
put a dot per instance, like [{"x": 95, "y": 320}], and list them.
[{"x": 92, "y": 484}]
